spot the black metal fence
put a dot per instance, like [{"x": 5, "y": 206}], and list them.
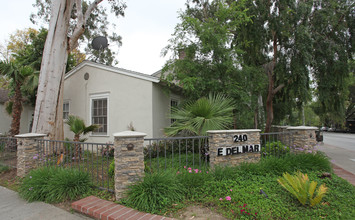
[
  {"x": 8, "y": 152},
  {"x": 94, "y": 158},
  {"x": 276, "y": 143},
  {"x": 176, "y": 152}
]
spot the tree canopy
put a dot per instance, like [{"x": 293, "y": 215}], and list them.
[{"x": 274, "y": 49}]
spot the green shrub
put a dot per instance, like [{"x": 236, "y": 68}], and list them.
[
  {"x": 67, "y": 184},
  {"x": 309, "y": 161},
  {"x": 224, "y": 173},
  {"x": 4, "y": 168},
  {"x": 301, "y": 188},
  {"x": 275, "y": 148},
  {"x": 34, "y": 185},
  {"x": 111, "y": 169},
  {"x": 52, "y": 184},
  {"x": 192, "y": 180},
  {"x": 155, "y": 192}
]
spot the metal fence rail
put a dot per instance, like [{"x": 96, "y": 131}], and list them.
[
  {"x": 276, "y": 143},
  {"x": 176, "y": 153},
  {"x": 8, "y": 152},
  {"x": 94, "y": 158}
]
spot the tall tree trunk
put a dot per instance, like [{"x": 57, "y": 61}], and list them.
[
  {"x": 269, "y": 104},
  {"x": 48, "y": 117},
  {"x": 271, "y": 91},
  {"x": 16, "y": 110}
]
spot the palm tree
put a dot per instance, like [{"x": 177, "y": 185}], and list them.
[
  {"x": 78, "y": 127},
  {"x": 18, "y": 76},
  {"x": 196, "y": 118}
]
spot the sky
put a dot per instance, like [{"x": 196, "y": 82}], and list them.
[{"x": 145, "y": 29}]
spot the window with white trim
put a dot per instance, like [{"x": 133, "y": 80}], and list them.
[
  {"x": 173, "y": 104},
  {"x": 99, "y": 113},
  {"x": 65, "y": 110}
]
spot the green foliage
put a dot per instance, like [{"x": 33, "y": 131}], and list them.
[
  {"x": 212, "y": 61},
  {"x": 300, "y": 187},
  {"x": 333, "y": 45},
  {"x": 111, "y": 169},
  {"x": 192, "y": 181},
  {"x": 52, "y": 184},
  {"x": 235, "y": 191},
  {"x": 175, "y": 161},
  {"x": 155, "y": 192},
  {"x": 3, "y": 168},
  {"x": 196, "y": 118},
  {"x": 275, "y": 148},
  {"x": 78, "y": 127}
]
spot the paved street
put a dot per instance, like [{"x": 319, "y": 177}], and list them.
[{"x": 340, "y": 148}]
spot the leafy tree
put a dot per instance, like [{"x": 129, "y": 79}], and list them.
[
  {"x": 197, "y": 117},
  {"x": 68, "y": 21},
  {"x": 333, "y": 41},
  {"x": 210, "y": 61},
  {"x": 19, "y": 76},
  {"x": 286, "y": 41}
]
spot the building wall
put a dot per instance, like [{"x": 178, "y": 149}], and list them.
[
  {"x": 5, "y": 119},
  {"x": 161, "y": 109},
  {"x": 130, "y": 100}
]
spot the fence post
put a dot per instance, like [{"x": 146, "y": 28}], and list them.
[
  {"x": 304, "y": 138},
  {"x": 27, "y": 151},
  {"x": 232, "y": 147},
  {"x": 129, "y": 160}
]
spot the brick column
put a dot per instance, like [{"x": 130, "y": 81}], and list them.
[
  {"x": 129, "y": 160},
  {"x": 232, "y": 147},
  {"x": 27, "y": 150},
  {"x": 304, "y": 138}
]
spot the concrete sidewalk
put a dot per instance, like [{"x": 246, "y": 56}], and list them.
[{"x": 15, "y": 208}]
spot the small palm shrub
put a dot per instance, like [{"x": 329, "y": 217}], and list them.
[
  {"x": 50, "y": 184},
  {"x": 155, "y": 192},
  {"x": 300, "y": 187}
]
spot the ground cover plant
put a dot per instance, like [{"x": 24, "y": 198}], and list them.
[
  {"x": 54, "y": 184},
  {"x": 251, "y": 191}
]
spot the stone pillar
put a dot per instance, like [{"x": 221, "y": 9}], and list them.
[
  {"x": 304, "y": 138},
  {"x": 232, "y": 147},
  {"x": 27, "y": 151},
  {"x": 129, "y": 160}
]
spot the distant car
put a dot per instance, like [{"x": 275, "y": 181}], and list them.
[
  {"x": 331, "y": 129},
  {"x": 324, "y": 129}
]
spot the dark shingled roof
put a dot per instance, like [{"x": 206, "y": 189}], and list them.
[{"x": 3, "y": 95}]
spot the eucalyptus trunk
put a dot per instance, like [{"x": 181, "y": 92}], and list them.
[{"x": 48, "y": 118}]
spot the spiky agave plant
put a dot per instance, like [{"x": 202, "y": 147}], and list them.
[{"x": 300, "y": 187}]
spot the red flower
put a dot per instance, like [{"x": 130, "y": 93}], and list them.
[{"x": 242, "y": 210}]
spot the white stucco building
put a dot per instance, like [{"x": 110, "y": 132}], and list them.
[
  {"x": 116, "y": 98},
  {"x": 5, "y": 118}
]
